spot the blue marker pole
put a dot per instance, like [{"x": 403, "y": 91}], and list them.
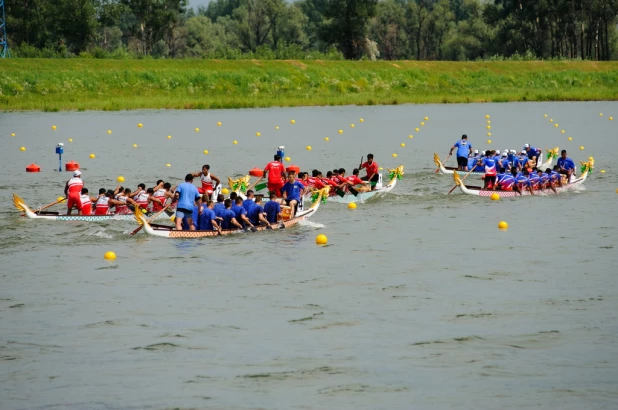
[{"x": 60, "y": 151}]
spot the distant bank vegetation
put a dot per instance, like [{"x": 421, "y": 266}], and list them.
[
  {"x": 90, "y": 84},
  {"x": 454, "y": 30}
]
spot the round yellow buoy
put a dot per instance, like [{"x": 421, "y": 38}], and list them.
[
  {"x": 545, "y": 115},
  {"x": 410, "y": 136},
  {"x": 134, "y": 145},
  {"x": 169, "y": 137},
  {"x": 488, "y": 122},
  {"x": 394, "y": 155},
  {"x": 197, "y": 130},
  {"x": 168, "y": 165},
  {"x": 352, "y": 205},
  {"x": 417, "y": 129},
  {"x": 308, "y": 147},
  {"x": 340, "y": 131},
  {"x": 551, "y": 120},
  {"x": 556, "y": 125},
  {"x": 287, "y": 159},
  {"x": 326, "y": 139},
  {"x": 570, "y": 138},
  {"x": 205, "y": 152},
  {"x": 257, "y": 134},
  {"x": 590, "y": 159},
  {"x": 139, "y": 125},
  {"x": 381, "y": 169},
  {"x": 600, "y": 114},
  {"x": 602, "y": 171},
  {"x": 495, "y": 196},
  {"x": 53, "y": 127},
  {"x": 351, "y": 125},
  {"x": 292, "y": 122},
  {"x": 362, "y": 120},
  {"x": 562, "y": 131},
  {"x": 488, "y": 127},
  {"x": 92, "y": 156},
  {"x": 276, "y": 127},
  {"x": 402, "y": 144},
  {"x": 120, "y": 179},
  {"x": 109, "y": 131},
  {"x": 422, "y": 123},
  {"x": 61, "y": 199},
  {"x": 489, "y": 141},
  {"x": 426, "y": 118},
  {"x": 12, "y": 134},
  {"x": 503, "y": 225},
  {"x": 218, "y": 123},
  {"x": 110, "y": 255},
  {"x": 22, "y": 148},
  {"x": 487, "y": 116},
  {"x": 321, "y": 239},
  {"x": 581, "y": 148},
  {"x": 489, "y": 134},
  {"x": 235, "y": 142},
  {"x": 225, "y": 191},
  {"x": 70, "y": 139},
  {"x": 611, "y": 118}
]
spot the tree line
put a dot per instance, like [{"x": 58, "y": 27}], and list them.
[{"x": 315, "y": 29}]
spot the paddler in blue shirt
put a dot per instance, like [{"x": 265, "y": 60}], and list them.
[
  {"x": 292, "y": 191},
  {"x": 207, "y": 219},
  {"x": 489, "y": 165},
  {"x": 504, "y": 163},
  {"x": 463, "y": 152},
  {"x": 229, "y": 217},
  {"x": 534, "y": 154},
  {"x": 240, "y": 213},
  {"x": 188, "y": 197},
  {"x": 473, "y": 159},
  {"x": 566, "y": 165},
  {"x": 219, "y": 206}
]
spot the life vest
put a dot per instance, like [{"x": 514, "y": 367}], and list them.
[
  {"x": 86, "y": 208},
  {"x": 102, "y": 206},
  {"x": 75, "y": 186},
  {"x": 207, "y": 183},
  {"x": 122, "y": 209}
]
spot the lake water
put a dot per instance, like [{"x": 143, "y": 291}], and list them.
[{"x": 418, "y": 301}]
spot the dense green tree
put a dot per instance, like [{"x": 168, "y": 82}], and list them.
[{"x": 346, "y": 25}]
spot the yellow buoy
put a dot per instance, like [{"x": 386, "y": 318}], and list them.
[
  {"x": 70, "y": 139},
  {"x": 488, "y": 127},
  {"x": 134, "y": 145},
  {"x": 556, "y": 125},
  {"x": 581, "y": 148},
  {"x": 489, "y": 141},
  {"x": 321, "y": 239},
  {"x": 109, "y": 255},
  {"x": 257, "y": 134},
  {"x": 139, "y": 125},
  {"x": 410, "y": 136},
  {"x": 235, "y": 142},
  {"x": 308, "y": 147},
  {"x": 326, "y": 139},
  {"x": 489, "y": 134},
  {"x": 426, "y": 118},
  {"x": 602, "y": 171},
  {"x": 351, "y": 125},
  {"x": 488, "y": 122},
  {"x": 394, "y": 155},
  {"x": 197, "y": 130},
  {"x": 495, "y": 197},
  {"x": 12, "y": 134},
  {"x": 109, "y": 131},
  {"x": 422, "y": 123},
  {"x": 287, "y": 159},
  {"x": 168, "y": 165},
  {"x": 169, "y": 137},
  {"x": 277, "y": 127},
  {"x": 61, "y": 199},
  {"x": 545, "y": 115},
  {"x": 218, "y": 123},
  {"x": 402, "y": 144},
  {"x": 22, "y": 148},
  {"x": 292, "y": 122},
  {"x": 417, "y": 129},
  {"x": 562, "y": 131},
  {"x": 590, "y": 159},
  {"x": 225, "y": 191},
  {"x": 205, "y": 152},
  {"x": 551, "y": 120},
  {"x": 53, "y": 127},
  {"x": 120, "y": 179},
  {"x": 92, "y": 156},
  {"x": 352, "y": 205},
  {"x": 340, "y": 131},
  {"x": 600, "y": 114},
  {"x": 362, "y": 120},
  {"x": 381, "y": 169},
  {"x": 487, "y": 116},
  {"x": 611, "y": 118},
  {"x": 570, "y": 138},
  {"x": 503, "y": 225}
]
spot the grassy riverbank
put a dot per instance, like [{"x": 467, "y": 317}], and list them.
[{"x": 86, "y": 84}]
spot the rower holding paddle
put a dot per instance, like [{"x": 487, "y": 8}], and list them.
[
  {"x": 566, "y": 166},
  {"x": 73, "y": 191},
  {"x": 372, "y": 170},
  {"x": 292, "y": 191},
  {"x": 463, "y": 152}
]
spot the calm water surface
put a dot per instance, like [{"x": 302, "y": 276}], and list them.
[{"x": 418, "y": 301}]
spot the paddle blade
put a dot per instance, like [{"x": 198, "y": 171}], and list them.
[
  {"x": 353, "y": 191},
  {"x": 261, "y": 186},
  {"x": 340, "y": 193}
]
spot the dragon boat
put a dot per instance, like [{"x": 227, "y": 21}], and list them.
[
  {"x": 167, "y": 231},
  {"x": 21, "y": 206},
  {"x": 586, "y": 169},
  {"x": 552, "y": 154},
  {"x": 394, "y": 174}
]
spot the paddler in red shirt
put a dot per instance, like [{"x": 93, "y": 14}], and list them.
[
  {"x": 275, "y": 171},
  {"x": 372, "y": 170},
  {"x": 73, "y": 192},
  {"x": 313, "y": 180},
  {"x": 355, "y": 180}
]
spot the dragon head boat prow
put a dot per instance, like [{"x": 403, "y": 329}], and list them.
[
  {"x": 395, "y": 172},
  {"x": 239, "y": 184},
  {"x": 456, "y": 178},
  {"x": 587, "y": 166},
  {"x": 553, "y": 153},
  {"x": 436, "y": 160}
]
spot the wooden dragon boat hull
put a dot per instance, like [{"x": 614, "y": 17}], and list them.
[
  {"x": 452, "y": 170},
  {"x": 364, "y": 196},
  {"x": 166, "y": 231},
  {"x": 19, "y": 203}
]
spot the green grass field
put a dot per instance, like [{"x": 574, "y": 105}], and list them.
[{"x": 88, "y": 84}]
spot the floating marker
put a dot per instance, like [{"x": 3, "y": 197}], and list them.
[
  {"x": 197, "y": 130},
  {"x": 426, "y": 118},
  {"x": 134, "y": 145},
  {"x": 288, "y": 159},
  {"x": 326, "y": 139},
  {"x": 410, "y": 136},
  {"x": 139, "y": 125},
  {"x": 417, "y": 129},
  {"x": 92, "y": 156},
  {"x": 22, "y": 148},
  {"x": 169, "y": 137},
  {"x": 225, "y": 191},
  {"x": 503, "y": 225},
  {"x": 219, "y": 124},
  {"x": 545, "y": 115},
  {"x": 495, "y": 197},
  {"x": 352, "y": 205},
  {"x": 109, "y": 131},
  {"x": 562, "y": 131},
  {"x": 340, "y": 131},
  {"x": 235, "y": 142},
  {"x": 581, "y": 147},
  {"x": 276, "y": 127},
  {"x": 488, "y": 122},
  {"x": 292, "y": 122},
  {"x": 402, "y": 144},
  {"x": 556, "y": 125},
  {"x": 488, "y": 127},
  {"x": 257, "y": 134},
  {"x": 70, "y": 139},
  {"x": 489, "y": 134},
  {"x": 351, "y": 125},
  {"x": 602, "y": 171},
  {"x": 611, "y": 118},
  {"x": 422, "y": 124},
  {"x": 110, "y": 255},
  {"x": 570, "y": 138},
  {"x": 600, "y": 114},
  {"x": 362, "y": 120},
  {"x": 394, "y": 155},
  {"x": 487, "y": 116},
  {"x": 205, "y": 152},
  {"x": 551, "y": 120},
  {"x": 54, "y": 127},
  {"x": 12, "y": 134},
  {"x": 308, "y": 147},
  {"x": 321, "y": 239},
  {"x": 120, "y": 179},
  {"x": 61, "y": 199},
  {"x": 489, "y": 141},
  {"x": 168, "y": 165},
  {"x": 381, "y": 169}
]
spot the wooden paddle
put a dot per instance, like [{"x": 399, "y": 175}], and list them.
[
  {"x": 47, "y": 206},
  {"x": 466, "y": 176},
  {"x": 139, "y": 228}
]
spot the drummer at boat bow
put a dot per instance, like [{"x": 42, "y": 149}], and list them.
[
  {"x": 187, "y": 196},
  {"x": 463, "y": 152},
  {"x": 566, "y": 165},
  {"x": 209, "y": 181},
  {"x": 73, "y": 191},
  {"x": 372, "y": 170}
]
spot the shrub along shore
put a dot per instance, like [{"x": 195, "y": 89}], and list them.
[{"x": 88, "y": 84}]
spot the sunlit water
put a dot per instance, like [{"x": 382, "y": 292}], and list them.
[{"x": 418, "y": 301}]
